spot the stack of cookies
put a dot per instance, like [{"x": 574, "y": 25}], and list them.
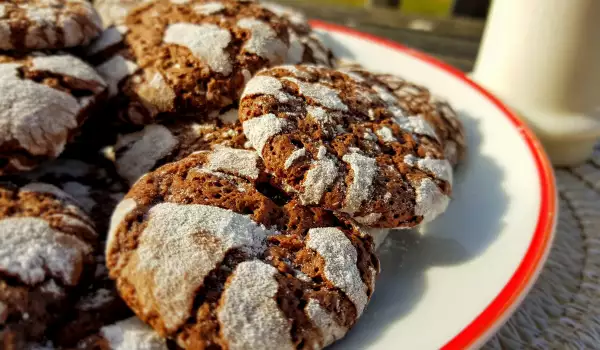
[{"x": 200, "y": 174}]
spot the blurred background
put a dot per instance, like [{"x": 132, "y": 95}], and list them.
[
  {"x": 450, "y": 30},
  {"x": 466, "y": 8}
]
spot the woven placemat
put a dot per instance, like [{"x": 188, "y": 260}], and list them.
[{"x": 562, "y": 310}]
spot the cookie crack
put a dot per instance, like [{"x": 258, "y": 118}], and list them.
[{"x": 210, "y": 294}]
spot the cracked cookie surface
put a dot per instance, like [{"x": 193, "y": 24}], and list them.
[
  {"x": 188, "y": 59},
  {"x": 333, "y": 140},
  {"x": 46, "y": 253},
  {"x": 27, "y": 25},
  {"x": 45, "y": 100},
  {"x": 209, "y": 254},
  {"x": 417, "y": 100},
  {"x": 157, "y": 144}
]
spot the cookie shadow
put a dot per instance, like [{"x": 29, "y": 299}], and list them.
[{"x": 454, "y": 238}]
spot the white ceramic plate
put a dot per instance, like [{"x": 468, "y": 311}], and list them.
[{"x": 455, "y": 282}]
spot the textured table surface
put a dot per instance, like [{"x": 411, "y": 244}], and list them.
[{"x": 562, "y": 310}]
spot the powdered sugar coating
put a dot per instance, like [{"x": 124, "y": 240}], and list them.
[
  {"x": 321, "y": 94},
  {"x": 156, "y": 90},
  {"x": 416, "y": 125},
  {"x": 340, "y": 263},
  {"x": 180, "y": 245},
  {"x": 132, "y": 334},
  {"x": 319, "y": 177},
  {"x": 368, "y": 135},
  {"x": 32, "y": 251},
  {"x": 386, "y": 134},
  {"x": 357, "y": 77},
  {"x": 263, "y": 40},
  {"x": 208, "y": 8},
  {"x": 325, "y": 323},
  {"x": 322, "y": 117},
  {"x": 385, "y": 95},
  {"x": 207, "y": 42},
  {"x": 296, "y": 17},
  {"x": 439, "y": 120},
  {"x": 143, "y": 150},
  {"x": 115, "y": 70},
  {"x": 259, "y": 130},
  {"x": 113, "y": 12},
  {"x": 431, "y": 202},
  {"x": 364, "y": 170},
  {"x": 205, "y": 50},
  {"x": 264, "y": 85},
  {"x": 249, "y": 315},
  {"x": 56, "y": 24},
  {"x": 418, "y": 100},
  {"x": 240, "y": 162},
  {"x": 297, "y": 154},
  {"x": 294, "y": 69},
  {"x": 439, "y": 168},
  {"x": 67, "y": 65},
  {"x": 24, "y": 109},
  {"x": 354, "y": 119},
  {"x": 109, "y": 37},
  {"x": 368, "y": 219},
  {"x": 239, "y": 306},
  {"x": 229, "y": 117},
  {"x": 40, "y": 15},
  {"x": 230, "y": 133},
  {"x": 124, "y": 207}
]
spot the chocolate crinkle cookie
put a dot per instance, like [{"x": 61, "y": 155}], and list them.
[
  {"x": 44, "y": 101},
  {"x": 211, "y": 256},
  {"x": 417, "y": 100},
  {"x": 140, "y": 152},
  {"x": 186, "y": 59},
  {"x": 335, "y": 141},
  {"x": 46, "y": 255},
  {"x": 95, "y": 186},
  {"x": 27, "y": 25}
]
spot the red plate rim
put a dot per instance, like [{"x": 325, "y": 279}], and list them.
[{"x": 521, "y": 281}]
